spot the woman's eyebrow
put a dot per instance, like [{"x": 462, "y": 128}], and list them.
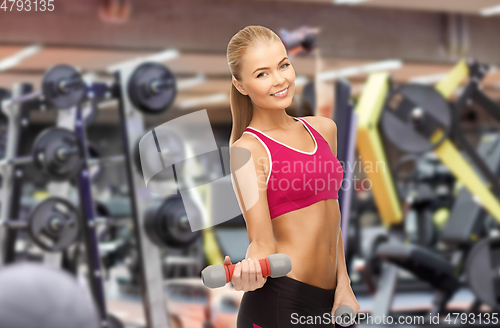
[{"x": 258, "y": 69}]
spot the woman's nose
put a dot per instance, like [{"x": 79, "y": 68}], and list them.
[{"x": 278, "y": 79}]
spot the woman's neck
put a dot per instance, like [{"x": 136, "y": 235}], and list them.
[{"x": 267, "y": 119}]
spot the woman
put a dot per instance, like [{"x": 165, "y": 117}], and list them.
[{"x": 297, "y": 178}]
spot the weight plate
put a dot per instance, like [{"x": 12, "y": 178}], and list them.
[
  {"x": 54, "y": 224},
  {"x": 411, "y": 112},
  {"x": 143, "y": 92},
  {"x": 63, "y": 86},
  {"x": 482, "y": 270},
  {"x": 166, "y": 222},
  {"x": 45, "y": 153}
]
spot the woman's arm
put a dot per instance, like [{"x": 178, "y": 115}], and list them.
[
  {"x": 342, "y": 275},
  {"x": 249, "y": 169},
  {"x": 343, "y": 290}
]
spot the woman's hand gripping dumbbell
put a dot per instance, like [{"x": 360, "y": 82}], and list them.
[{"x": 249, "y": 274}]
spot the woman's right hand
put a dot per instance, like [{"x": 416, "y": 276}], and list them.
[{"x": 247, "y": 274}]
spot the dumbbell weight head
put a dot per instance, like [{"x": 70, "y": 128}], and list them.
[
  {"x": 344, "y": 315},
  {"x": 63, "y": 86},
  {"x": 54, "y": 224},
  {"x": 57, "y": 153},
  {"x": 152, "y": 88},
  {"x": 166, "y": 222}
]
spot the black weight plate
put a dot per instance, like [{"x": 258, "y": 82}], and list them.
[
  {"x": 482, "y": 270},
  {"x": 402, "y": 132},
  {"x": 51, "y": 86},
  {"x": 42, "y": 230},
  {"x": 142, "y": 96},
  {"x": 45, "y": 157},
  {"x": 166, "y": 222}
]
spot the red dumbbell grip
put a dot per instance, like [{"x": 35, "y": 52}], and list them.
[{"x": 264, "y": 265}]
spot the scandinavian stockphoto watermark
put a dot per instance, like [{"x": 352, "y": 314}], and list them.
[{"x": 182, "y": 156}]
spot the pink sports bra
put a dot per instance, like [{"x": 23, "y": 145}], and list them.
[{"x": 297, "y": 178}]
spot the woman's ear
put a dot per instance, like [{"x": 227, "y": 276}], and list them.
[{"x": 239, "y": 86}]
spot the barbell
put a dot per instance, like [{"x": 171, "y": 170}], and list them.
[
  {"x": 151, "y": 88},
  {"x": 62, "y": 87},
  {"x": 58, "y": 153}
]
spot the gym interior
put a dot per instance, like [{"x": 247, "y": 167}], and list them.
[{"x": 86, "y": 240}]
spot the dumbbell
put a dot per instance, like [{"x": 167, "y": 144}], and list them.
[
  {"x": 53, "y": 224},
  {"x": 62, "y": 87},
  {"x": 344, "y": 315},
  {"x": 275, "y": 265}
]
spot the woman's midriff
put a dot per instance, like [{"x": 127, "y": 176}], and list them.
[{"x": 309, "y": 236}]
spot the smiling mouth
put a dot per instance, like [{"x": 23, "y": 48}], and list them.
[{"x": 279, "y": 93}]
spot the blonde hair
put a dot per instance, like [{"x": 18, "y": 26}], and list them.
[{"x": 241, "y": 105}]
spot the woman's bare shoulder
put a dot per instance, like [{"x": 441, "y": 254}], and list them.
[
  {"x": 249, "y": 142},
  {"x": 324, "y": 125}
]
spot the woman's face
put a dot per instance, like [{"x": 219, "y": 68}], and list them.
[{"x": 267, "y": 76}]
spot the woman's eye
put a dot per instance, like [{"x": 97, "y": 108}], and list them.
[{"x": 286, "y": 65}]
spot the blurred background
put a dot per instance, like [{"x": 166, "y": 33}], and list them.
[{"x": 401, "y": 43}]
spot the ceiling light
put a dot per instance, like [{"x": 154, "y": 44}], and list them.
[
  {"x": 159, "y": 57},
  {"x": 202, "y": 101},
  {"x": 192, "y": 82},
  {"x": 428, "y": 79},
  {"x": 385, "y": 65},
  {"x": 15, "y": 59},
  {"x": 490, "y": 11},
  {"x": 349, "y": 2}
]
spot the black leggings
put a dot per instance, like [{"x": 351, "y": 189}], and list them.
[{"x": 286, "y": 303}]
